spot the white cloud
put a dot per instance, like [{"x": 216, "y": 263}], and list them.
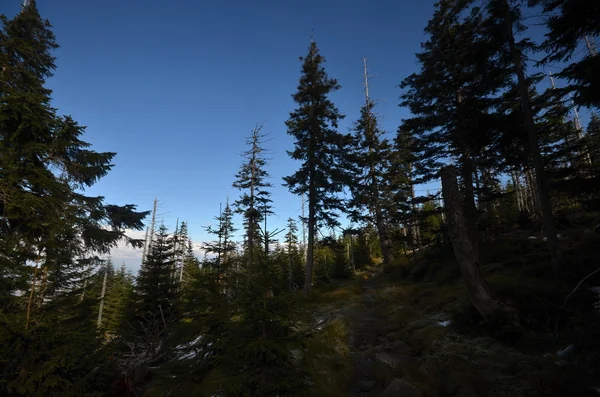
[{"x": 132, "y": 257}]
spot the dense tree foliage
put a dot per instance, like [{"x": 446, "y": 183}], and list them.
[
  {"x": 235, "y": 323},
  {"x": 320, "y": 148}
]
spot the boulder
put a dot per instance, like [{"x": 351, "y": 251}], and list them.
[
  {"x": 392, "y": 360},
  {"x": 401, "y": 388}
]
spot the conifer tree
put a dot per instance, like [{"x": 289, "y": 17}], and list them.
[
  {"x": 48, "y": 226},
  {"x": 371, "y": 155},
  {"x": 593, "y": 139},
  {"x": 571, "y": 23},
  {"x": 224, "y": 247},
  {"x": 119, "y": 297},
  {"x": 401, "y": 185},
  {"x": 255, "y": 202},
  {"x": 507, "y": 17},
  {"x": 156, "y": 287},
  {"x": 452, "y": 96},
  {"x": 294, "y": 256},
  {"x": 319, "y": 147}
]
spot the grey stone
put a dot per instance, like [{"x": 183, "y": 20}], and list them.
[
  {"x": 401, "y": 388},
  {"x": 365, "y": 385},
  {"x": 392, "y": 360},
  {"x": 399, "y": 347}
]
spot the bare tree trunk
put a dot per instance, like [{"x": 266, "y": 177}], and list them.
[
  {"x": 531, "y": 192},
  {"x": 43, "y": 286},
  {"x": 479, "y": 291},
  {"x": 144, "y": 250},
  {"x": 416, "y": 235},
  {"x": 540, "y": 173},
  {"x": 32, "y": 293},
  {"x": 517, "y": 188},
  {"x": 470, "y": 210},
  {"x": 477, "y": 187},
  {"x": 384, "y": 241},
  {"x": 99, "y": 322},
  {"x": 310, "y": 249}
]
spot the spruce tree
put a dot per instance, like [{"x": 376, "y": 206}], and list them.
[
  {"x": 48, "y": 226},
  {"x": 508, "y": 18},
  {"x": 295, "y": 269},
  {"x": 255, "y": 202},
  {"x": 571, "y": 23},
  {"x": 156, "y": 287},
  {"x": 319, "y": 147},
  {"x": 224, "y": 247},
  {"x": 452, "y": 96},
  {"x": 370, "y": 170},
  {"x": 593, "y": 139},
  {"x": 119, "y": 297}
]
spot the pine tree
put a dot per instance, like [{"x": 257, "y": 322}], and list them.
[
  {"x": 224, "y": 247},
  {"x": 452, "y": 98},
  {"x": 294, "y": 256},
  {"x": 370, "y": 167},
  {"x": 48, "y": 225},
  {"x": 400, "y": 186},
  {"x": 593, "y": 139},
  {"x": 319, "y": 146},
  {"x": 569, "y": 23},
  {"x": 118, "y": 299},
  {"x": 255, "y": 202},
  {"x": 501, "y": 12},
  {"x": 156, "y": 287}
]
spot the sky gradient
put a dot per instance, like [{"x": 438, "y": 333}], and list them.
[{"x": 174, "y": 87}]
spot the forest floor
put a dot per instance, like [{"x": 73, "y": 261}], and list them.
[{"x": 407, "y": 337}]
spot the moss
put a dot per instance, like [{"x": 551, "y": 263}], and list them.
[{"x": 327, "y": 360}]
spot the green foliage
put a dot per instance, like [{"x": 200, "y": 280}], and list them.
[
  {"x": 119, "y": 297},
  {"x": 568, "y": 21},
  {"x": 255, "y": 202}
]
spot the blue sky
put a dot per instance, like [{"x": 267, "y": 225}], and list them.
[{"x": 174, "y": 87}]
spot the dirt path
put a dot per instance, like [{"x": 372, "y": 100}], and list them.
[{"x": 377, "y": 352}]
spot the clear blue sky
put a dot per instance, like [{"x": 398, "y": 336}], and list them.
[{"x": 174, "y": 87}]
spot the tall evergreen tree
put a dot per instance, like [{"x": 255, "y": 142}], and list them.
[
  {"x": 48, "y": 226},
  {"x": 294, "y": 256},
  {"x": 255, "y": 202},
  {"x": 156, "y": 286},
  {"x": 320, "y": 148},
  {"x": 593, "y": 139},
  {"x": 509, "y": 17},
  {"x": 452, "y": 96},
  {"x": 119, "y": 297},
  {"x": 370, "y": 167},
  {"x": 224, "y": 247},
  {"x": 571, "y": 23}
]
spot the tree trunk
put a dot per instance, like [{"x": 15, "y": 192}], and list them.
[
  {"x": 479, "y": 291},
  {"x": 517, "y": 188},
  {"x": 416, "y": 235},
  {"x": 101, "y": 309},
  {"x": 32, "y": 293},
  {"x": 470, "y": 210},
  {"x": 384, "y": 241},
  {"x": 540, "y": 174},
  {"x": 531, "y": 193},
  {"x": 311, "y": 236}
]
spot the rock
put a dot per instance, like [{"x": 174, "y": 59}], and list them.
[
  {"x": 401, "y": 388},
  {"x": 365, "y": 385},
  {"x": 392, "y": 336},
  {"x": 392, "y": 360},
  {"x": 399, "y": 347}
]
